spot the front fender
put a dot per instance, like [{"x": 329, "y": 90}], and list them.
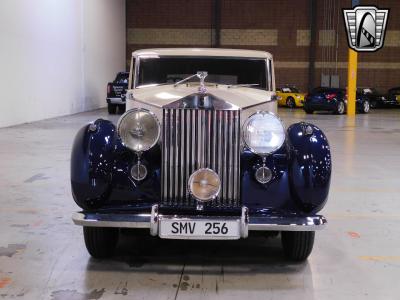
[
  {"x": 310, "y": 166},
  {"x": 92, "y": 162}
]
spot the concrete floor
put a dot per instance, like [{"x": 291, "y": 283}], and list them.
[{"x": 42, "y": 254}]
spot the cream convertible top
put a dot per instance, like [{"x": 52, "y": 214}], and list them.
[{"x": 202, "y": 52}]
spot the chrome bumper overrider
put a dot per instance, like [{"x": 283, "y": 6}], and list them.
[{"x": 248, "y": 223}]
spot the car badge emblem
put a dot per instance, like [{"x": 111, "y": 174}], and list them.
[
  {"x": 138, "y": 131},
  {"x": 202, "y": 76},
  {"x": 365, "y": 27}
]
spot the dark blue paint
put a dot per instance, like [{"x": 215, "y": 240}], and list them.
[
  {"x": 274, "y": 194},
  {"x": 100, "y": 174},
  {"x": 91, "y": 164},
  {"x": 310, "y": 167},
  {"x": 100, "y": 170}
]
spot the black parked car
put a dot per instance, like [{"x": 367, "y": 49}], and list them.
[
  {"x": 332, "y": 99},
  {"x": 376, "y": 100},
  {"x": 116, "y": 91}
]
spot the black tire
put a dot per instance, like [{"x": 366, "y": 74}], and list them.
[
  {"x": 112, "y": 109},
  {"x": 365, "y": 107},
  {"x": 308, "y": 111},
  {"x": 100, "y": 241},
  {"x": 373, "y": 104},
  {"x": 121, "y": 108},
  {"x": 297, "y": 245},
  {"x": 341, "y": 108},
  {"x": 290, "y": 102}
]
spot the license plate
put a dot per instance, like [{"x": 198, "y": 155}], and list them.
[{"x": 199, "y": 229}]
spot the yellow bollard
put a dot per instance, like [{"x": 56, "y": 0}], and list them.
[{"x": 351, "y": 83}]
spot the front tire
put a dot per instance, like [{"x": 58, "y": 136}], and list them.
[
  {"x": 365, "y": 107},
  {"x": 340, "y": 108},
  {"x": 112, "y": 109},
  {"x": 100, "y": 241},
  {"x": 290, "y": 102},
  {"x": 297, "y": 245},
  {"x": 121, "y": 108},
  {"x": 308, "y": 111}
]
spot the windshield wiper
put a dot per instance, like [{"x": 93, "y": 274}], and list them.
[{"x": 242, "y": 85}]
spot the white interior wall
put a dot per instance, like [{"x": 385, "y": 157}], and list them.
[{"x": 57, "y": 56}]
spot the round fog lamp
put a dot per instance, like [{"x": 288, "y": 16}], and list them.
[
  {"x": 139, "y": 172},
  {"x": 263, "y": 175},
  {"x": 204, "y": 185}
]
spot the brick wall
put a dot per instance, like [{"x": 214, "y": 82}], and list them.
[{"x": 278, "y": 26}]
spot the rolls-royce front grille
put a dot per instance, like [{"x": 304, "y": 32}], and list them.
[{"x": 200, "y": 138}]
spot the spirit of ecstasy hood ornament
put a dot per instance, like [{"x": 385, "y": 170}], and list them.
[{"x": 201, "y": 75}]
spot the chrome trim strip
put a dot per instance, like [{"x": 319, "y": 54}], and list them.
[
  {"x": 225, "y": 167},
  {"x": 171, "y": 155},
  {"x": 230, "y": 124},
  {"x": 248, "y": 223},
  {"x": 214, "y": 137},
  {"x": 244, "y": 222},
  {"x": 220, "y": 140},
  {"x": 136, "y": 221},
  {"x": 187, "y": 154},
  {"x": 177, "y": 181},
  {"x": 154, "y": 220},
  {"x": 199, "y": 139},
  {"x": 164, "y": 178},
  {"x": 114, "y": 98},
  {"x": 236, "y": 147},
  {"x": 311, "y": 223},
  {"x": 182, "y": 155}
]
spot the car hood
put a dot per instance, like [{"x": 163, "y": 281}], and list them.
[{"x": 237, "y": 97}]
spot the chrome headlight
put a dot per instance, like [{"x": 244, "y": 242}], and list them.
[
  {"x": 263, "y": 133},
  {"x": 139, "y": 129}
]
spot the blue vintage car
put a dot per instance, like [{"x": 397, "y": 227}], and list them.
[
  {"x": 334, "y": 100},
  {"x": 200, "y": 154}
]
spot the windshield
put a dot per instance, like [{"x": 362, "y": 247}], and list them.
[{"x": 220, "y": 70}]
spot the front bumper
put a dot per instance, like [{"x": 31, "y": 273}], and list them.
[
  {"x": 116, "y": 100},
  {"x": 247, "y": 223},
  {"x": 299, "y": 102}
]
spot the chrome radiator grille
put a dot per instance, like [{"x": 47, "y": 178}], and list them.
[{"x": 200, "y": 138}]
